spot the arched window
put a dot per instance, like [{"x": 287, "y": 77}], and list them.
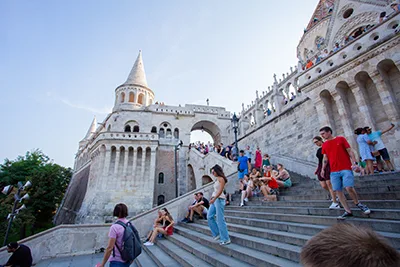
[
  {"x": 161, "y": 178},
  {"x": 160, "y": 200},
  {"x": 169, "y": 132},
  {"x": 140, "y": 99},
  {"x": 127, "y": 128},
  {"x": 131, "y": 97},
  {"x": 136, "y": 128},
  {"x": 109, "y": 128},
  {"x": 176, "y": 133},
  {"x": 154, "y": 129},
  {"x": 161, "y": 133},
  {"x": 122, "y": 97}
]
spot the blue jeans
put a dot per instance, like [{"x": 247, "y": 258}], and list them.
[
  {"x": 218, "y": 227},
  {"x": 340, "y": 179},
  {"x": 119, "y": 264}
]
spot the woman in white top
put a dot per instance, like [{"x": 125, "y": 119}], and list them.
[{"x": 218, "y": 226}]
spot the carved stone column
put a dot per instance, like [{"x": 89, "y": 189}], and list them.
[
  {"x": 387, "y": 98},
  {"x": 125, "y": 162},
  {"x": 143, "y": 165},
  {"x": 363, "y": 107},
  {"x": 116, "y": 161},
  {"x": 107, "y": 161},
  {"x": 150, "y": 179},
  {"x": 134, "y": 163},
  {"x": 344, "y": 118}
]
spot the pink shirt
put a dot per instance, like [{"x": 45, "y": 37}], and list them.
[{"x": 117, "y": 232}]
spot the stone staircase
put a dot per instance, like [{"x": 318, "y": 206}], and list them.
[{"x": 272, "y": 233}]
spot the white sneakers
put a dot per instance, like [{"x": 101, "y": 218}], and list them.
[
  {"x": 246, "y": 199},
  {"x": 334, "y": 206},
  {"x": 216, "y": 238},
  {"x": 241, "y": 204},
  {"x": 148, "y": 243}
]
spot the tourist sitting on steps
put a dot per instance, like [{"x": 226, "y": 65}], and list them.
[
  {"x": 196, "y": 198},
  {"x": 157, "y": 223},
  {"x": 246, "y": 188},
  {"x": 283, "y": 177},
  {"x": 200, "y": 207},
  {"x": 21, "y": 255},
  {"x": 270, "y": 185},
  {"x": 167, "y": 227}
]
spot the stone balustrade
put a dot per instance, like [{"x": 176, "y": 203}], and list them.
[{"x": 375, "y": 36}]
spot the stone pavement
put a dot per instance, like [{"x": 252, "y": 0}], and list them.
[{"x": 74, "y": 261}]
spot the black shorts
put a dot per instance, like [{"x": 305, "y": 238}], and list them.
[{"x": 383, "y": 154}]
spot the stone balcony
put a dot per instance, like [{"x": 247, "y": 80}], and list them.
[{"x": 368, "y": 40}]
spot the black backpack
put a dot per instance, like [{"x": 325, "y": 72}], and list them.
[{"x": 131, "y": 246}]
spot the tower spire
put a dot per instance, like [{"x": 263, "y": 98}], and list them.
[
  {"x": 137, "y": 75},
  {"x": 92, "y": 128}
]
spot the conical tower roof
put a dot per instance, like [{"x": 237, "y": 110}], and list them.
[
  {"x": 92, "y": 129},
  {"x": 323, "y": 10},
  {"x": 137, "y": 75}
]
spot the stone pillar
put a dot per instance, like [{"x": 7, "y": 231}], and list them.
[
  {"x": 116, "y": 161},
  {"x": 322, "y": 113},
  {"x": 107, "y": 161},
  {"x": 363, "y": 107},
  {"x": 125, "y": 162},
  {"x": 134, "y": 164},
  {"x": 344, "y": 118},
  {"x": 143, "y": 164},
  {"x": 151, "y": 177},
  {"x": 388, "y": 101}
]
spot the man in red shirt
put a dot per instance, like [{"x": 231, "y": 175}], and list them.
[{"x": 338, "y": 151}]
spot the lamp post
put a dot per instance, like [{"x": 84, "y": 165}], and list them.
[
  {"x": 235, "y": 125},
  {"x": 179, "y": 145},
  {"x": 17, "y": 198}
]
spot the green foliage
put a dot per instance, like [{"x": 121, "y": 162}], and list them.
[{"x": 49, "y": 183}]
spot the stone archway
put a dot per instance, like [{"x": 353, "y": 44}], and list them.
[
  {"x": 206, "y": 180},
  {"x": 209, "y": 127},
  {"x": 191, "y": 179}
]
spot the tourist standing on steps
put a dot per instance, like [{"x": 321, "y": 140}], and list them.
[
  {"x": 338, "y": 151},
  {"x": 217, "y": 225},
  {"x": 324, "y": 181},
  {"x": 364, "y": 148},
  {"x": 248, "y": 153},
  {"x": 243, "y": 165},
  {"x": 380, "y": 147},
  {"x": 258, "y": 160}
]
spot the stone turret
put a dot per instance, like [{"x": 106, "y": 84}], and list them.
[
  {"x": 92, "y": 129},
  {"x": 134, "y": 93}
]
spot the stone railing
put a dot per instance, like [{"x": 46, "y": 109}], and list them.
[
  {"x": 373, "y": 37},
  {"x": 203, "y": 163},
  {"x": 69, "y": 240}
]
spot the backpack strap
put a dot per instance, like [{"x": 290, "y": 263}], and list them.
[{"x": 123, "y": 225}]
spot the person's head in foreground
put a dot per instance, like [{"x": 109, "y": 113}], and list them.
[
  {"x": 344, "y": 245},
  {"x": 120, "y": 211}
]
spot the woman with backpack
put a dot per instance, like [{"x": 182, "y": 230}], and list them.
[
  {"x": 167, "y": 227},
  {"x": 114, "y": 252}
]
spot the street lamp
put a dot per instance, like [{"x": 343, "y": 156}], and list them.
[
  {"x": 179, "y": 145},
  {"x": 235, "y": 125},
  {"x": 17, "y": 198}
]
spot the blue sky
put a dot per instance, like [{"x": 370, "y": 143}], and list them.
[{"x": 61, "y": 61}]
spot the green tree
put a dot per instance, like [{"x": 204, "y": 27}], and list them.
[{"x": 49, "y": 183}]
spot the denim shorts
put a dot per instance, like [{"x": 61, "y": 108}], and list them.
[
  {"x": 342, "y": 179},
  {"x": 241, "y": 174}
]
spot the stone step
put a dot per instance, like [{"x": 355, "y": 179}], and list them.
[
  {"x": 144, "y": 260},
  {"x": 160, "y": 256},
  {"x": 376, "y": 224},
  {"x": 297, "y": 228},
  {"x": 386, "y": 214},
  {"x": 236, "y": 251},
  {"x": 281, "y": 236},
  {"x": 373, "y": 204},
  {"x": 375, "y": 196},
  {"x": 360, "y": 190},
  {"x": 283, "y": 250},
  {"x": 184, "y": 257},
  {"x": 205, "y": 252}
]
